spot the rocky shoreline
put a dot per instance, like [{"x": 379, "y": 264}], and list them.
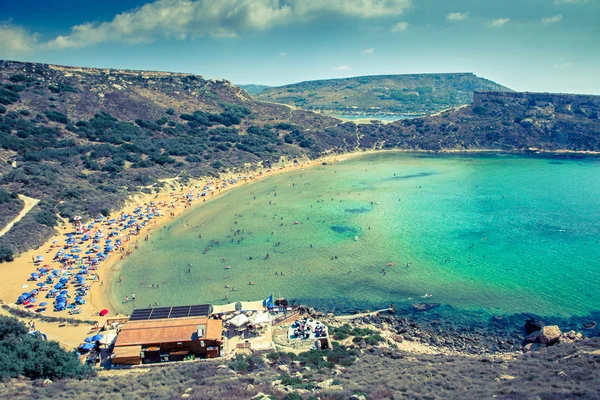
[{"x": 472, "y": 335}]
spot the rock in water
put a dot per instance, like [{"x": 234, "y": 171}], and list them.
[
  {"x": 550, "y": 334},
  {"x": 533, "y": 325},
  {"x": 423, "y": 306}
]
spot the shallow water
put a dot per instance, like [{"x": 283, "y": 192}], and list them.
[{"x": 497, "y": 234}]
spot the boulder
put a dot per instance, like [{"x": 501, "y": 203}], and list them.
[
  {"x": 357, "y": 397},
  {"x": 529, "y": 347},
  {"x": 505, "y": 378},
  {"x": 533, "y": 337},
  {"x": 283, "y": 368},
  {"x": 533, "y": 325},
  {"x": 550, "y": 334},
  {"x": 423, "y": 306}
]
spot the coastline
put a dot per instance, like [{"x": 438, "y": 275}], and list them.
[
  {"x": 100, "y": 297},
  {"x": 17, "y": 272}
]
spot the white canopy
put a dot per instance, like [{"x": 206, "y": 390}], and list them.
[
  {"x": 252, "y": 305},
  {"x": 108, "y": 338},
  {"x": 225, "y": 308},
  {"x": 260, "y": 318},
  {"x": 239, "y": 320}
]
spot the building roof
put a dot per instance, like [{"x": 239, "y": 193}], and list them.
[
  {"x": 198, "y": 310},
  {"x": 168, "y": 331},
  {"x": 127, "y": 351}
]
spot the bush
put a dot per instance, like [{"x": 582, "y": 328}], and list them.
[
  {"x": 57, "y": 117},
  {"x": 6, "y": 253},
  {"x": 239, "y": 364},
  {"x": 25, "y": 355},
  {"x": 47, "y": 218}
]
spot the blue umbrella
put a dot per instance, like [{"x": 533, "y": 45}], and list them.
[
  {"x": 43, "y": 303},
  {"x": 33, "y": 299},
  {"x": 41, "y": 284},
  {"x": 97, "y": 337}
]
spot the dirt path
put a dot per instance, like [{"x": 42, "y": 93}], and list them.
[{"x": 29, "y": 204}]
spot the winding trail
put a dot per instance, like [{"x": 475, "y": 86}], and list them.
[{"x": 29, "y": 204}]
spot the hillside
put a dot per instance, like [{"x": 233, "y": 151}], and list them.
[
  {"x": 254, "y": 89},
  {"x": 402, "y": 95},
  {"x": 83, "y": 140},
  {"x": 363, "y": 366}
]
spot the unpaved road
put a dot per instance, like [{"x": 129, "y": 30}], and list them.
[{"x": 29, "y": 204}]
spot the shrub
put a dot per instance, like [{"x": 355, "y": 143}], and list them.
[
  {"x": 57, "y": 117},
  {"x": 239, "y": 364},
  {"x": 6, "y": 253},
  {"x": 25, "y": 355},
  {"x": 47, "y": 218}
]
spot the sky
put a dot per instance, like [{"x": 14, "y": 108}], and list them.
[{"x": 526, "y": 45}]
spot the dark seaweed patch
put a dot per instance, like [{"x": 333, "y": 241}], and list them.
[
  {"x": 360, "y": 210},
  {"x": 411, "y": 176},
  {"x": 343, "y": 229},
  {"x": 556, "y": 162}
]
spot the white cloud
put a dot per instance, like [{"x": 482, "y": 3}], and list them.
[
  {"x": 368, "y": 51},
  {"x": 564, "y": 65},
  {"x": 341, "y": 68},
  {"x": 498, "y": 22},
  {"x": 571, "y": 1},
  {"x": 283, "y": 54},
  {"x": 457, "y": 16},
  {"x": 181, "y": 19},
  {"x": 552, "y": 20},
  {"x": 400, "y": 27},
  {"x": 15, "y": 40}
]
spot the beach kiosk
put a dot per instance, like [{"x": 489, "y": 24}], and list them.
[
  {"x": 168, "y": 334},
  {"x": 78, "y": 224}
]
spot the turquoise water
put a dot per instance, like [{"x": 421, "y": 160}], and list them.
[{"x": 494, "y": 233}]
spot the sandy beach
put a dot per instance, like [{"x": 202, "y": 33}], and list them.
[{"x": 16, "y": 274}]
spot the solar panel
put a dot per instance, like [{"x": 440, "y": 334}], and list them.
[{"x": 199, "y": 310}]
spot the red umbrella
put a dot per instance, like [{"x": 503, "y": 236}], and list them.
[{"x": 103, "y": 312}]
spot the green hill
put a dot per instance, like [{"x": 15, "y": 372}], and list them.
[
  {"x": 402, "y": 95},
  {"x": 254, "y": 89},
  {"x": 83, "y": 140}
]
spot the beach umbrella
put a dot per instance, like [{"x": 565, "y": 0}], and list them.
[
  {"x": 35, "y": 274},
  {"x": 86, "y": 346},
  {"x": 40, "y": 258},
  {"x": 41, "y": 284},
  {"x": 33, "y": 300},
  {"x": 103, "y": 312},
  {"x": 43, "y": 303},
  {"x": 97, "y": 337}
]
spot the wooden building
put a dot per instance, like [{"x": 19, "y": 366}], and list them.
[{"x": 168, "y": 334}]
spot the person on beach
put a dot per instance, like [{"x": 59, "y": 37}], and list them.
[{"x": 126, "y": 299}]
